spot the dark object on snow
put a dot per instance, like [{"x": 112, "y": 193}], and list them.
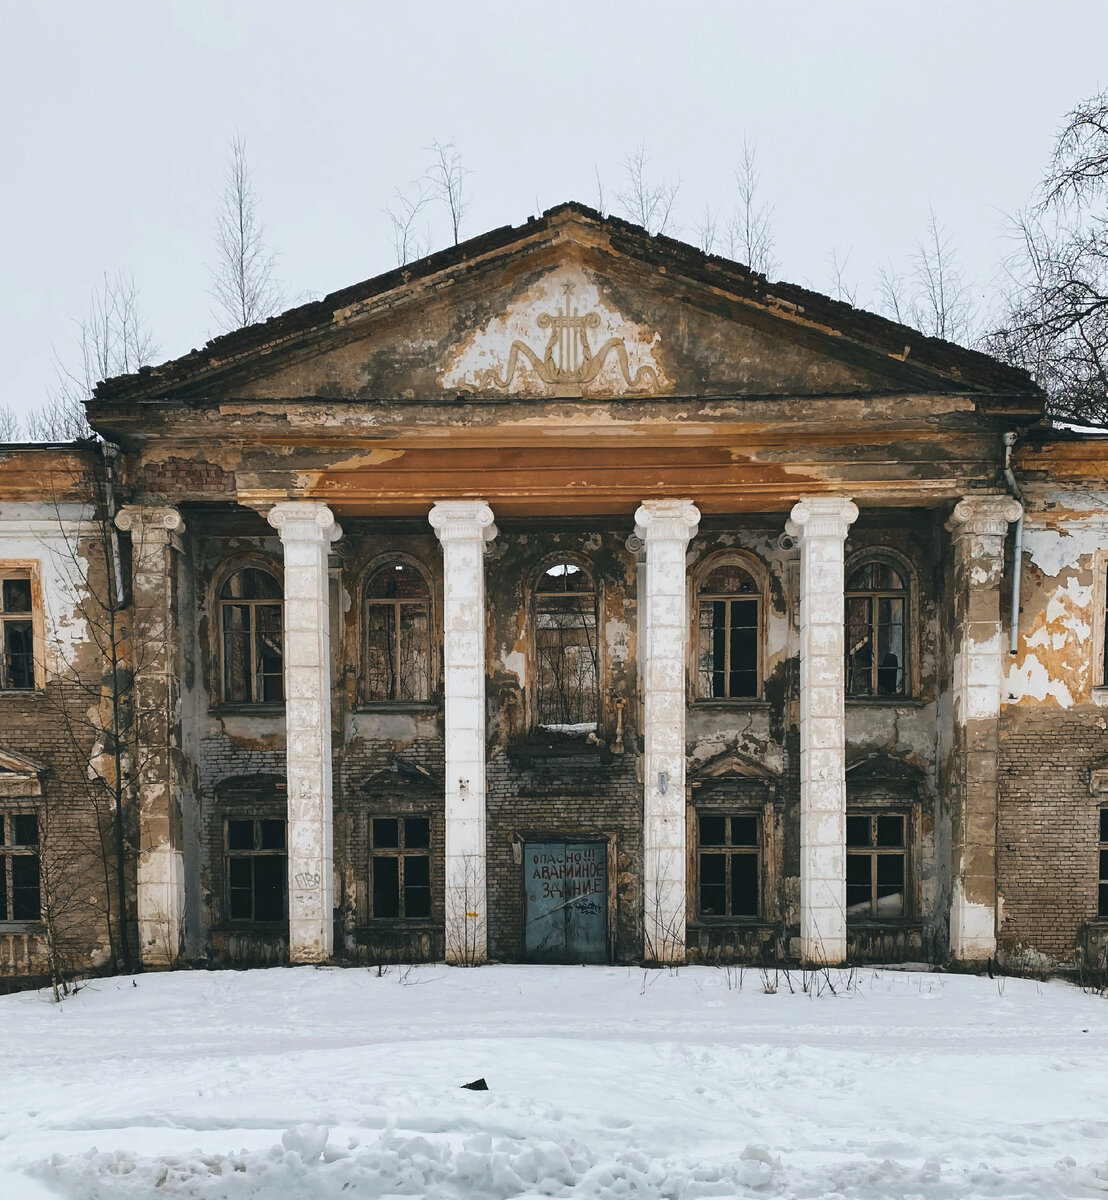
[{"x": 478, "y": 1085}]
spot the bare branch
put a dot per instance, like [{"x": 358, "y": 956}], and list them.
[
  {"x": 836, "y": 269},
  {"x": 645, "y": 202},
  {"x": 408, "y": 244},
  {"x": 243, "y": 282},
  {"x": 750, "y": 232},
  {"x": 707, "y": 230},
  {"x": 446, "y": 176}
]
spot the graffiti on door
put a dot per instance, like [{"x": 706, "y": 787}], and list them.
[{"x": 565, "y": 884}]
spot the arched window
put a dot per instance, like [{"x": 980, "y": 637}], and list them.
[
  {"x": 397, "y": 634},
  {"x": 567, "y": 663},
  {"x": 251, "y": 638},
  {"x": 728, "y": 634},
  {"x": 876, "y": 629}
]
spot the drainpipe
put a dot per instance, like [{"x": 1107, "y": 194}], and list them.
[{"x": 1017, "y": 553}]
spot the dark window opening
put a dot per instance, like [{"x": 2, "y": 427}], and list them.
[
  {"x": 1102, "y": 885},
  {"x": 728, "y": 865},
  {"x": 876, "y": 631},
  {"x": 876, "y": 863},
  {"x": 17, "y": 672},
  {"x": 252, "y": 638},
  {"x": 728, "y": 635},
  {"x": 400, "y": 865},
  {"x": 20, "y": 893},
  {"x": 397, "y": 635},
  {"x": 567, "y": 674},
  {"x": 257, "y": 869}
]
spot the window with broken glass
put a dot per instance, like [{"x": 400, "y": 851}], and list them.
[
  {"x": 1102, "y": 886},
  {"x": 18, "y": 671},
  {"x": 876, "y": 866},
  {"x": 876, "y": 630},
  {"x": 20, "y": 898},
  {"x": 397, "y": 635},
  {"x": 567, "y": 670},
  {"x": 251, "y": 638},
  {"x": 729, "y": 864},
  {"x": 728, "y": 635},
  {"x": 257, "y": 869},
  {"x": 400, "y": 866}
]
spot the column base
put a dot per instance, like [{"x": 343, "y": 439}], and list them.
[{"x": 160, "y": 898}]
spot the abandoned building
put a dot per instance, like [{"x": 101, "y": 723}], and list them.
[{"x": 569, "y": 595}]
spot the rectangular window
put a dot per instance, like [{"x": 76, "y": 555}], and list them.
[
  {"x": 17, "y": 673},
  {"x": 400, "y": 864},
  {"x": 728, "y": 862},
  {"x": 1102, "y": 886},
  {"x": 876, "y": 862},
  {"x": 20, "y": 897},
  {"x": 257, "y": 869},
  {"x": 728, "y": 648}
]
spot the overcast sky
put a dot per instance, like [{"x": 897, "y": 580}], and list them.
[{"x": 117, "y": 119}]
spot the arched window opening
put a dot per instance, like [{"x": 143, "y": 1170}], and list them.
[
  {"x": 729, "y": 607},
  {"x": 567, "y": 663},
  {"x": 251, "y": 638},
  {"x": 397, "y": 635},
  {"x": 876, "y": 630}
]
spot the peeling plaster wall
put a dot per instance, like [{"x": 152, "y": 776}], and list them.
[{"x": 1053, "y": 729}]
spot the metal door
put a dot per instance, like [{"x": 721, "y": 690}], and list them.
[{"x": 565, "y": 909}]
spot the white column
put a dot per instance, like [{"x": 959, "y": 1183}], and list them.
[
  {"x": 155, "y": 654},
  {"x": 665, "y": 526},
  {"x": 463, "y": 527},
  {"x": 821, "y": 523},
  {"x": 307, "y": 529},
  {"x": 978, "y": 527}
]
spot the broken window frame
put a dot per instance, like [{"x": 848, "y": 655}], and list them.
[
  {"x": 703, "y": 680},
  {"x": 28, "y": 621},
  {"x": 401, "y": 853},
  {"x": 256, "y": 853},
  {"x": 906, "y": 593},
  {"x": 874, "y": 852},
  {"x": 255, "y": 682},
  {"x": 728, "y": 849},
  {"x": 415, "y": 644},
  {"x": 1099, "y": 672},
  {"x": 548, "y": 662},
  {"x": 20, "y": 854}
]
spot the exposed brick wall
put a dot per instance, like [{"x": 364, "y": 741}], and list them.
[
  {"x": 1048, "y": 827},
  {"x": 177, "y": 476}
]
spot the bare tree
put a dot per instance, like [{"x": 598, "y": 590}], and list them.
[
  {"x": 1055, "y": 318},
  {"x": 836, "y": 270},
  {"x": 750, "y": 230},
  {"x": 646, "y": 202},
  {"x": 11, "y": 424},
  {"x": 933, "y": 294},
  {"x": 112, "y": 340},
  {"x": 408, "y": 243},
  {"x": 446, "y": 176},
  {"x": 243, "y": 281},
  {"x": 707, "y": 230},
  {"x": 599, "y": 190}
]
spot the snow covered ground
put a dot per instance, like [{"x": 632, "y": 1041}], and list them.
[{"x": 602, "y": 1082}]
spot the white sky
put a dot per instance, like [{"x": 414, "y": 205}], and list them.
[{"x": 117, "y": 118}]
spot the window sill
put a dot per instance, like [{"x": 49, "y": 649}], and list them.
[
  {"x": 750, "y": 702},
  {"x": 21, "y": 927},
  {"x": 261, "y": 927},
  {"x": 731, "y": 923},
  {"x": 398, "y": 706},
  {"x": 23, "y": 692},
  {"x": 889, "y": 923},
  {"x": 885, "y": 702},
  {"x": 1100, "y": 698},
  {"x": 269, "y": 709}
]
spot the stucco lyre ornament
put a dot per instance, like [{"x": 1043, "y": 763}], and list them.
[{"x": 567, "y": 357}]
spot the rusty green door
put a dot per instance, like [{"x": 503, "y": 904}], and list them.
[{"x": 565, "y": 902}]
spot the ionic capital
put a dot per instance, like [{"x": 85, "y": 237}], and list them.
[
  {"x": 462, "y": 520},
  {"x": 149, "y": 519},
  {"x": 984, "y": 515},
  {"x": 822, "y": 516},
  {"x": 666, "y": 520},
  {"x": 304, "y": 521}
]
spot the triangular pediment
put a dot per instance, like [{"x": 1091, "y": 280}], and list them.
[
  {"x": 569, "y": 305},
  {"x": 19, "y": 776},
  {"x": 732, "y": 765}
]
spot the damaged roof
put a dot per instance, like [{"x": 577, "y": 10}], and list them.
[{"x": 924, "y": 361}]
